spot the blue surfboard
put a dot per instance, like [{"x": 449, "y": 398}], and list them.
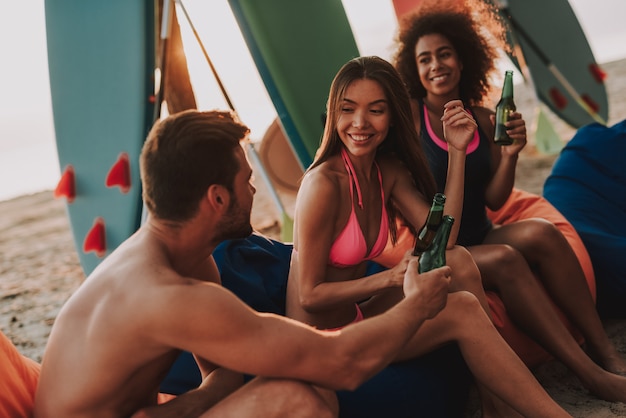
[{"x": 101, "y": 65}]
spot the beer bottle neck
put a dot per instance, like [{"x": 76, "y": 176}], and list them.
[{"x": 507, "y": 89}]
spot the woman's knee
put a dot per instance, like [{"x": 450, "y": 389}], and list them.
[
  {"x": 503, "y": 265},
  {"x": 464, "y": 308},
  {"x": 303, "y": 400},
  {"x": 506, "y": 257},
  {"x": 463, "y": 302},
  {"x": 464, "y": 268},
  {"x": 541, "y": 235}
]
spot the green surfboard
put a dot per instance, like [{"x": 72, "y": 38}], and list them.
[{"x": 298, "y": 47}]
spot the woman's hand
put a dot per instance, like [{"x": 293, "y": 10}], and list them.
[
  {"x": 398, "y": 271},
  {"x": 516, "y": 129},
  {"x": 458, "y": 125}
]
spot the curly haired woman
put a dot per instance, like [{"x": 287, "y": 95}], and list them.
[{"x": 448, "y": 50}]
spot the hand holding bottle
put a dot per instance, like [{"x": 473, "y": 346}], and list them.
[
  {"x": 430, "y": 289},
  {"x": 516, "y": 130},
  {"x": 504, "y": 109}
]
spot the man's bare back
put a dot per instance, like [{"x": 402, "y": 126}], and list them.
[{"x": 114, "y": 315}]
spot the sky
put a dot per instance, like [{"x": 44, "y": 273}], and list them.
[{"x": 28, "y": 160}]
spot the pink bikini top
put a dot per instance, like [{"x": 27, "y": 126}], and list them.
[{"x": 350, "y": 248}]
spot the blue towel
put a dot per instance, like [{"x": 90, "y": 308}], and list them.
[{"x": 256, "y": 270}]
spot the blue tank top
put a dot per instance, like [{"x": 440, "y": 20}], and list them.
[{"x": 474, "y": 221}]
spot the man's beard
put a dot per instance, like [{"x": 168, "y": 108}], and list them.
[{"x": 236, "y": 224}]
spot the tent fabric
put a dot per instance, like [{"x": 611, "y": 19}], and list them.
[
  {"x": 588, "y": 185},
  {"x": 256, "y": 270},
  {"x": 520, "y": 205}
]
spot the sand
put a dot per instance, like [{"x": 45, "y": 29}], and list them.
[{"x": 39, "y": 267}]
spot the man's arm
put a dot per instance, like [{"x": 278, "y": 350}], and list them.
[{"x": 213, "y": 323}]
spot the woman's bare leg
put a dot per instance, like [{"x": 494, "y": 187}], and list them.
[
  {"x": 541, "y": 244},
  {"x": 276, "y": 398},
  {"x": 466, "y": 275},
  {"x": 492, "y": 362},
  {"x": 504, "y": 268}
]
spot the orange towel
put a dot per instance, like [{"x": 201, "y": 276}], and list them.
[
  {"x": 523, "y": 205},
  {"x": 520, "y": 205},
  {"x": 18, "y": 381}
]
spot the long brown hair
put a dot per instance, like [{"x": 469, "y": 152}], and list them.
[{"x": 402, "y": 141}]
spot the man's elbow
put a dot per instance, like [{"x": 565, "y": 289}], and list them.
[
  {"x": 353, "y": 372},
  {"x": 353, "y": 380}
]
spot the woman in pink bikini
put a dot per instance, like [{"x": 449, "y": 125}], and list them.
[{"x": 369, "y": 170}]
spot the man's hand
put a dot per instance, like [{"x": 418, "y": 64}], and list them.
[{"x": 430, "y": 288}]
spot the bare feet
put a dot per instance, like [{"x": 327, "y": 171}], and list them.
[
  {"x": 609, "y": 359},
  {"x": 608, "y": 386}
]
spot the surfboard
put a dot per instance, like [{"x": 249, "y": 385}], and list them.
[
  {"x": 297, "y": 47},
  {"x": 564, "y": 72},
  {"x": 101, "y": 67}
]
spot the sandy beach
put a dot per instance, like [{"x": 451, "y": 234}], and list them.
[{"x": 39, "y": 268}]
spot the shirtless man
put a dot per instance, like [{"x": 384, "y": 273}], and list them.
[{"x": 159, "y": 293}]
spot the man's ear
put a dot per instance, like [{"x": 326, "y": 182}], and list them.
[{"x": 218, "y": 197}]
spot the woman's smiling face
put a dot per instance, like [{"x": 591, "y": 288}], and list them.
[
  {"x": 438, "y": 65},
  {"x": 364, "y": 117}
]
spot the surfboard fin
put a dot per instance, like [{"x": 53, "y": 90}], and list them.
[
  {"x": 119, "y": 175},
  {"x": 95, "y": 240},
  {"x": 547, "y": 139},
  {"x": 598, "y": 73},
  {"x": 558, "y": 98},
  {"x": 67, "y": 185}
]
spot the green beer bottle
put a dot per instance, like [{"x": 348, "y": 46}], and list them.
[
  {"x": 429, "y": 229},
  {"x": 505, "y": 107},
  {"x": 435, "y": 256}
]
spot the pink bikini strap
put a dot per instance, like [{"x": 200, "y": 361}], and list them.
[{"x": 350, "y": 168}]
